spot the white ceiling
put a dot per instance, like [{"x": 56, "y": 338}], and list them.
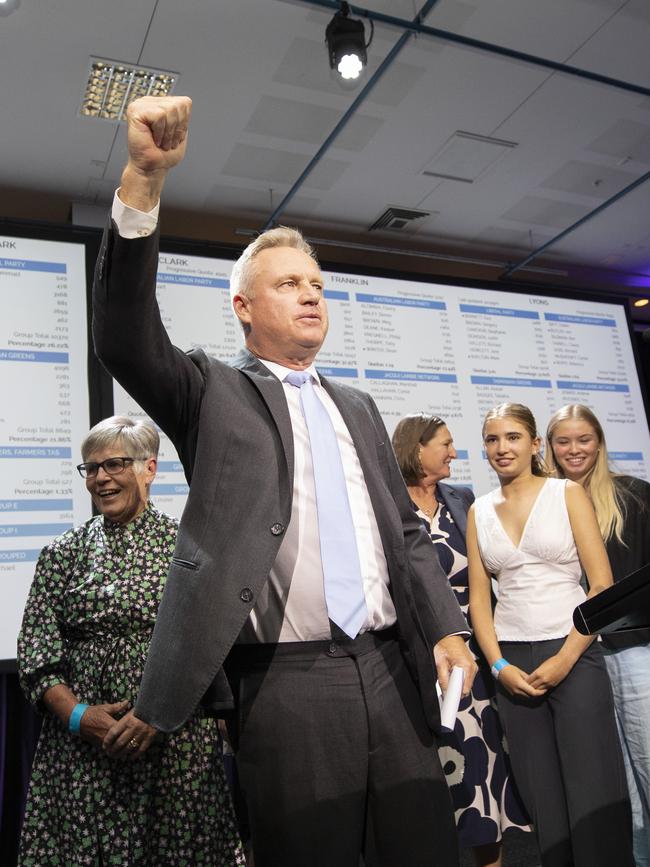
[{"x": 265, "y": 101}]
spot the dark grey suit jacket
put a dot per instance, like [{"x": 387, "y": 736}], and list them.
[{"x": 230, "y": 424}]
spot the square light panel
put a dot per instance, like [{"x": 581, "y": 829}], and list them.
[
  {"x": 112, "y": 85},
  {"x": 466, "y": 157}
]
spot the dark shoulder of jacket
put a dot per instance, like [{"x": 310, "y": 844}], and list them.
[
  {"x": 633, "y": 491},
  {"x": 466, "y": 494},
  {"x": 200, "y": 358}
]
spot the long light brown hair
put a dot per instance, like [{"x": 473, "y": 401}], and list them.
[{"x": 599, "y": 482}]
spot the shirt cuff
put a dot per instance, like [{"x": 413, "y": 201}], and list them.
[{"x": 132, "y": 223}]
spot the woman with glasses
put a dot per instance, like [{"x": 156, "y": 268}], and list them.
[{"x": 81, "y": 651}]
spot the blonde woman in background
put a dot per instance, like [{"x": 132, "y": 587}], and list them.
[
  {"x": 534, "y": 534},
  {"x": 576, "y": 450}
]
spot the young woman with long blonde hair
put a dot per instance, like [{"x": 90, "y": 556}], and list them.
[
  {"x": 576, "y": 450},
  {"x": 535, "y": 534}
]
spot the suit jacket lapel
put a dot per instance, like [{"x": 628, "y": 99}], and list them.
[
  {"x": 343, "y": 407},
  {"x": 364, "y": 443},
  {"x": 361, "y": 443},
  {"x": 455, "y": 505},
  {"x": 272, "y": 392}
]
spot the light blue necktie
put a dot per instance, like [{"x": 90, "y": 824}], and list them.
[{"x": 346, "y": 603}]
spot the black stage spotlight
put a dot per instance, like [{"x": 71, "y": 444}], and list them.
[
  {"x": 346, "y": 44},
  {"x": 8, "y": 6}
]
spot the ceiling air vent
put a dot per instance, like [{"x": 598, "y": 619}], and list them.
[{"x": 398, "y": 218}]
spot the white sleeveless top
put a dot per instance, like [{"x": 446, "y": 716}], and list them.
[{"x": 539, "y": 580}]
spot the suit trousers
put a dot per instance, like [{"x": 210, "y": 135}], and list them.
[
  {"x": 567, "y": 762},
  {"x": 335, "y": 759}
]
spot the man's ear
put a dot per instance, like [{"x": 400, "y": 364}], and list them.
[{"x": 241, "y": 305}]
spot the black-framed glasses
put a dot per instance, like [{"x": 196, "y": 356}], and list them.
[{"x": 112, "y": 466}]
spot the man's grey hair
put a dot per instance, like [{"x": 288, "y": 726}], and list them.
[
  {"x": 242, "y": 275},
  {"x": 136, "y": 438}
]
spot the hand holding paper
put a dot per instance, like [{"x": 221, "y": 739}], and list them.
[{"x": 451, "y": 699}]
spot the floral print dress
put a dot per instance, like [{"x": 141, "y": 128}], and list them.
[
  {"x": 87, "y": 623},
  {"x": 477, "y": 771}
]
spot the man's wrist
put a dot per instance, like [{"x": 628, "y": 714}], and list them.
[
  {"x": 141, "y": 190},
  {"x": 131, "y": 222},
  {"x": 463, "y": 636}
]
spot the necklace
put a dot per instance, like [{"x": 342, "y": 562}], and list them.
[{"x": 429, "y": 511}]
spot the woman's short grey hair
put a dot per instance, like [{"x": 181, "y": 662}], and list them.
[
  {"x": 135, "y": 438},
  {"x": 241, "y": 278}
]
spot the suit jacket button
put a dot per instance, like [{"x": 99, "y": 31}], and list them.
[
  {"x": 277, "y": 529},
  {"x": 246, "y": 595}
]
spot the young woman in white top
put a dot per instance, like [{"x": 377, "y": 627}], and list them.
[{"x": 535, "y": 534}]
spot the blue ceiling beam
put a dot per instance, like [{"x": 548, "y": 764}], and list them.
[
  {"x": 416, "y": 26},
  {"x": 372, "y": 81},
  {"x": 628, "y": 189}
]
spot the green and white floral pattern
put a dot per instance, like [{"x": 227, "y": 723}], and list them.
[{"x": 88, "y": 623}]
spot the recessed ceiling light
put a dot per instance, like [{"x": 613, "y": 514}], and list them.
[
  {"x": 641, "y": 302},
  {"x": 112, "y": 85}
]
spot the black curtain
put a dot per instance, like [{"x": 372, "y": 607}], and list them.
[{"x": 19, "y": 729}]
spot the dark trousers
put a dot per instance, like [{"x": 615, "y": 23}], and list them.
[
  {"x": 567, "y": 761},
  {"x": 335, "y": 759}
]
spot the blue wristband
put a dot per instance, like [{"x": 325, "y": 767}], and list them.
[
  {"x": 74, "y": 722},
  {"x": 497, "y": 666}
]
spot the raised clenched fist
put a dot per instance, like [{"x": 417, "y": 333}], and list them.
[
  {"x": 156, "y": 137},
  {"x": 157, "y": 132}
]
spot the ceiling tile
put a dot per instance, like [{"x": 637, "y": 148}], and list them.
[
  {"x": 465, "y": 157},
  {"x": 626, "y": 139},
  {"x": 283, "y": 167},
  {"x": 310, "y": 123},
  {"x": 545, "y": 212},
  {"x": 587, "y": 179}
]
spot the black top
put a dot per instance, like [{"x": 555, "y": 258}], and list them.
[{"x": 635, "y": 553}]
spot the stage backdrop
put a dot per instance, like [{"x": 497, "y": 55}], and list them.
[
  {"x": 449, "y": 350},
  {"x": 446, "y": 349},
  {"x": 44, "y": 411}
]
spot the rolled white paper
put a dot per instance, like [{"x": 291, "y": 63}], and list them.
[{"x": 451, "y": 700}]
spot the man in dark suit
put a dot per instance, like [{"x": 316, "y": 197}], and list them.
[{"x": 334, "y": 716}]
